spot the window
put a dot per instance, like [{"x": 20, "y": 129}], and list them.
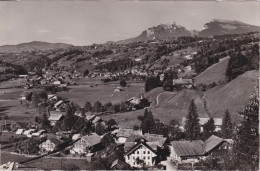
[
  {"x": 134, "y": 163},
  {"x": 144, "y": 152},
  {"x": 148, "y": 157},
  {"x": 148, "y": 152},
  {"x": 144, "y": 158},
  {"x": 128, "y": 157},
  {"x": 137, "y": 152}
]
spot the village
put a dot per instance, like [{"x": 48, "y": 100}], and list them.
[
  {"x": 86, "y": 134},
  {"x": 110, "y": 108}
]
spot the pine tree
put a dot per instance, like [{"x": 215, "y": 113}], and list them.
[
  {"x": 45, "y": 124},
  {"x": 246, "y": 140},
  {"x": 209, "y": 128},
  {"x": 148, "y": 123},
  {"x": 192, "y": 126},
  {"x": 226, "y": 126}
]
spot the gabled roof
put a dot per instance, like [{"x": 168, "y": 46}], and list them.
[
  {"x": 127, "y": 132},
  {"x": 96, "y": 119},
  {"x": 55, "y": 117},
  {"x": 136, "y": 146},
  {"x": 212, "y": 142},
  {"x": 198, "y": 147},
  {"x": 92, "y": 139},
  {"x": 54, "y": 139},
  {"x": 188, "y": 148},
  {"x": 155, "y": 138}
]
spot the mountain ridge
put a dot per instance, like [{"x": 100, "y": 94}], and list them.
[{"x": 32, "y": 46}]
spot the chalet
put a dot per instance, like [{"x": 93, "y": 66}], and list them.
[
  {"x": 203, "y": 121},
  {"x": 19, "y": 131},
  {"x": 86, "y": 144},
  {"x": 39, "y": 133},
  {"x": 57, "y": 82},
  {"x": 193, "y": 151},
  {"x": 140, "y": 151},
  {"x": 123, "y": 134},
  {"x": 188, "y": 83},
  {"x": 118, "y": 89},
  {"x": 55, "y": 117},
  {"x": 29, "y": 132},
  {"x": 134, "y": 100},
  {"x": 52, "y": 97},
  {"x": 76, "y": 136},
  {"x": 119, "y": 165},
  {"x": 79, "y": 114},
  {"x": 50, "y": 144},
  {"x": 151, "y": 142}
]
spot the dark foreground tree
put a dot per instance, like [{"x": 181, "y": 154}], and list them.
[
  {"x": 192, "y": 126},
  {"x": 209, "y": 129},
  {"x": 246, "y": 140},
  {"x": 226, "y": 126}
]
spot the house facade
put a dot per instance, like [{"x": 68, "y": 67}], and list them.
[
  {"x": 203, "y": 121},
  {"x": 86, "y": 144},
  {"x": 50, "y": 144},
  {"x": 193, "y": 151},
  {"x": 140, "y": 152}
]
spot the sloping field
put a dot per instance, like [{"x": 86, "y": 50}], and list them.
[
  {"x": 152, "y": 95},
  {"x": 171, "y": 105},
  {"x": 214, "y": 73},
  {"x": 232, "y": 96},
  {"x": 104, "y": 93}
]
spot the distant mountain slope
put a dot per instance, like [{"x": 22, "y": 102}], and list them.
[
  {"x": 31, "y": 46},
  {"x": 232, "y": 96},
  {"x": 161, "y": 31},
  {"x": 214, "y": 73},
  {"x": 220, "y": 27}
]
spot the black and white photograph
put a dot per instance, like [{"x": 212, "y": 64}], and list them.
[{"x": 129, "y": 85}]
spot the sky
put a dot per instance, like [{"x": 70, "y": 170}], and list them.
[{"x": 88, "y": 22}]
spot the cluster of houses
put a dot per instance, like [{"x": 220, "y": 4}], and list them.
[{"x": 149, "y": 148}]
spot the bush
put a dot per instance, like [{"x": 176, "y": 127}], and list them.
[{"x": 123, "y": 83}]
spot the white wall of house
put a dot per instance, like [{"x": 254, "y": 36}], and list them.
[
  {"x": 143, "y": 153},
  {"x": 80, "y": 147},
  {"x": 174, "y": 156},
  {"x": 47, "y": 146},
  {"x": 121, "y": 140}
]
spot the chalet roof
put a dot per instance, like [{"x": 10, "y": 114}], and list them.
[
  {"x": 127, "y": 132},
  {"x": 202, "y": 121},
  {"x": 96, "y": 119},
  {"x": 54, "y": 139},
  {"x": 90, "y": 117},
  {"x": 137, "y": 145},
  {"x": 92, "y": 139},
  {"x": 188, "y": 148},
  {"x": 182, "y": 81},
  {"x": 55, "y": 117},
  {"x": 155, "y": 138},
  {"x": 212, "y": 142},
  {"x": 217, "y": 121},
  {"x": 58, "y": 103},
  {"x": 198, "y": 147},
  {"x": 118, "y": 164},
  {"x": 19, "y": 131}
]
